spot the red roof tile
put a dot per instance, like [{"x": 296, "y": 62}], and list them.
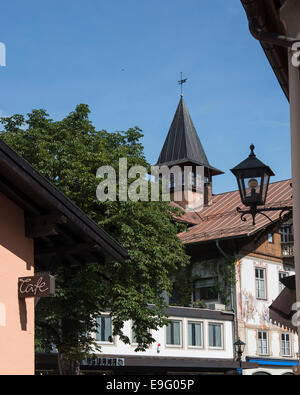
[{"x": 221, "y": 219}]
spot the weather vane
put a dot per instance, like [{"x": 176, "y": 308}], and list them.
[{"x": 181, "y": 82}]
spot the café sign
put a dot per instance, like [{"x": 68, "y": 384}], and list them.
[{"x": 36, "y": 286}]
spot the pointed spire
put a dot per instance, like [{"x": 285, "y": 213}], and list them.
[{"x": 182, "y": 144}]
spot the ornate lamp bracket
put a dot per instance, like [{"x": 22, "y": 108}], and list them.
[{"x": 253, "y": 211}]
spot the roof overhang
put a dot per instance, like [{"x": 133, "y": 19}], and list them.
[
  {"x": 265, "y": 13},
  {"x": 281, "y": 310},
  {"x": 190, "y": 162},
  {"x": 61, "y": 230}
]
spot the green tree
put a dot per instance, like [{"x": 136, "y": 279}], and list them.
[{"x": 68, "y": 153}]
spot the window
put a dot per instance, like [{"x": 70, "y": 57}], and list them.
[
  {"x": 133, "y": 337},
  {"x": 104, "y": 333},
  {"x": 287, "y": 234},
  {"x": 215, "y": 335},
  {"x": 174, "y": 333},
  {"x": 195, "y": 334},
  {"x": 281, "y": 276},
  {"x": 263, "y": 343},
  {"x": 260, "y": 276},
  {"x": 286, "y": 344},
  {"x": 205, "y": 289},
  {"x": 271, "y": 238}
]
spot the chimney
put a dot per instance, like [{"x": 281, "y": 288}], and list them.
[{"x": 208, "y": 194}]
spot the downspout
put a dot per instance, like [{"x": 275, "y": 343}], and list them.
[
  {"x": 270, "y": 38},
  {"x": 235, "y": 329}
]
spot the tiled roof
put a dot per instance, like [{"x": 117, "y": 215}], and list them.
[{"x": 221, "y": 219}]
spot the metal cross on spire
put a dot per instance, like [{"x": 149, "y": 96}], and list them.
[{"x": 181, "y": 82}]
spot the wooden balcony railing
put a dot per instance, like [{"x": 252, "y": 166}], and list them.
[{"x": 287, "y": 250}]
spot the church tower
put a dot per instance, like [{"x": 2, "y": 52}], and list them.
[{"x": 183, "y": 148}]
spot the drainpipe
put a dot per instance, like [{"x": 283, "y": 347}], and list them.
[
  {"x": 271, "y": 38},
  {"x": 235, "y": 329}
]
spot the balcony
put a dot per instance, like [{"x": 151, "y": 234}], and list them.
[{"x": 287, "y": 250}]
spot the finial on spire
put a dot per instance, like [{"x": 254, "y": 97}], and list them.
[
  {"x": 181, "y": 82},
  {"x": 252, "y": 147}
]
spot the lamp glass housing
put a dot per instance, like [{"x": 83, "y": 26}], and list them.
[{"x": 253, "y": 178}]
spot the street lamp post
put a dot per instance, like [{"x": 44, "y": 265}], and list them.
[
  {"x": 253, "y": 178},
  {"x": 239, "y": 350}
]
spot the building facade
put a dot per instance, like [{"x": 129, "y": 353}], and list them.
[
  {"x": 196, "y": 341},
  {"x": 276, "y": 25},
  {"x": 37, "y": 222},
  {"x": 258, "y": 257}
]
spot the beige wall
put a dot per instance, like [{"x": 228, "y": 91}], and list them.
[{"x": 16, "y": 316}]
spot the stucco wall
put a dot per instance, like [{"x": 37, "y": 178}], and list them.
[
  {"x": 16, "y": 316},
  {"x": 119, "y": 348},
  {"x": 253, "y": 314}
]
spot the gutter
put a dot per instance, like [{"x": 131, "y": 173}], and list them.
[
  {"x": 268, "y": 37},
  {"x": 257, "y": 13}
]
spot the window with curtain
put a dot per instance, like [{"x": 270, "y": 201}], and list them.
[
  {"x": 260, "y": 278},
  {"x": 195, "y": 334},
  {"x": 263, "y": 343},
  {"x": 286, "y": 344},
  {"x": 215, "y": 335},
  {"x": 174, "y": 333},
  {"x": 104, "y": 333}
]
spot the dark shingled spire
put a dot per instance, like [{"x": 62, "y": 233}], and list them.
[{"x": 183, "y": 144}]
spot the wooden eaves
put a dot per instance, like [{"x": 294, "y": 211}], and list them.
[
  {"x": 62, "y": 232},
  {"x": 263, "y": 15}
]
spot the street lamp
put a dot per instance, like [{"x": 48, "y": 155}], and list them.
[
  {"x": 253, "y": 178},
  {"x": 239, "y": 350}
]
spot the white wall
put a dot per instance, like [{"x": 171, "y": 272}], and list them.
[
  {"x": 119, "y": 348},
  {"x": 253, "y": 313}
]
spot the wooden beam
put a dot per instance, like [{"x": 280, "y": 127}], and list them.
[
  {"x": 65, "y": 250},
  {"x": 43, "y": 225}
]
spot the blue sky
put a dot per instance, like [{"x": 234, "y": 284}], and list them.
[{"x": 124, "y": 58}]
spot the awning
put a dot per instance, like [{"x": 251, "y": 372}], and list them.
[
  {"x": 143, "y": 363},
  {"x": 281, "y": 312}
]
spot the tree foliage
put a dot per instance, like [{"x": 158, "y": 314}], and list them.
[{"x": 68, "y": 153}]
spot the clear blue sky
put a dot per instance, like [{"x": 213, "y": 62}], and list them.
[{"x": 124, "y": 58}]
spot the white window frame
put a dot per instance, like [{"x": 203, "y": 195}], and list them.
[
  {"x": 258, "y": 282},
  {"x": 112, "y": 337},
  {"x": 261, "y": 349},
  {"x": 201, "y": 347},
  {"x": 222, "y": 336},
  {"x": 180, "y": 335},
  {"x": 283, "y": 344}
]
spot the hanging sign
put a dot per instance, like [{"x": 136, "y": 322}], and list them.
[{"x": 36, "y": 286}]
